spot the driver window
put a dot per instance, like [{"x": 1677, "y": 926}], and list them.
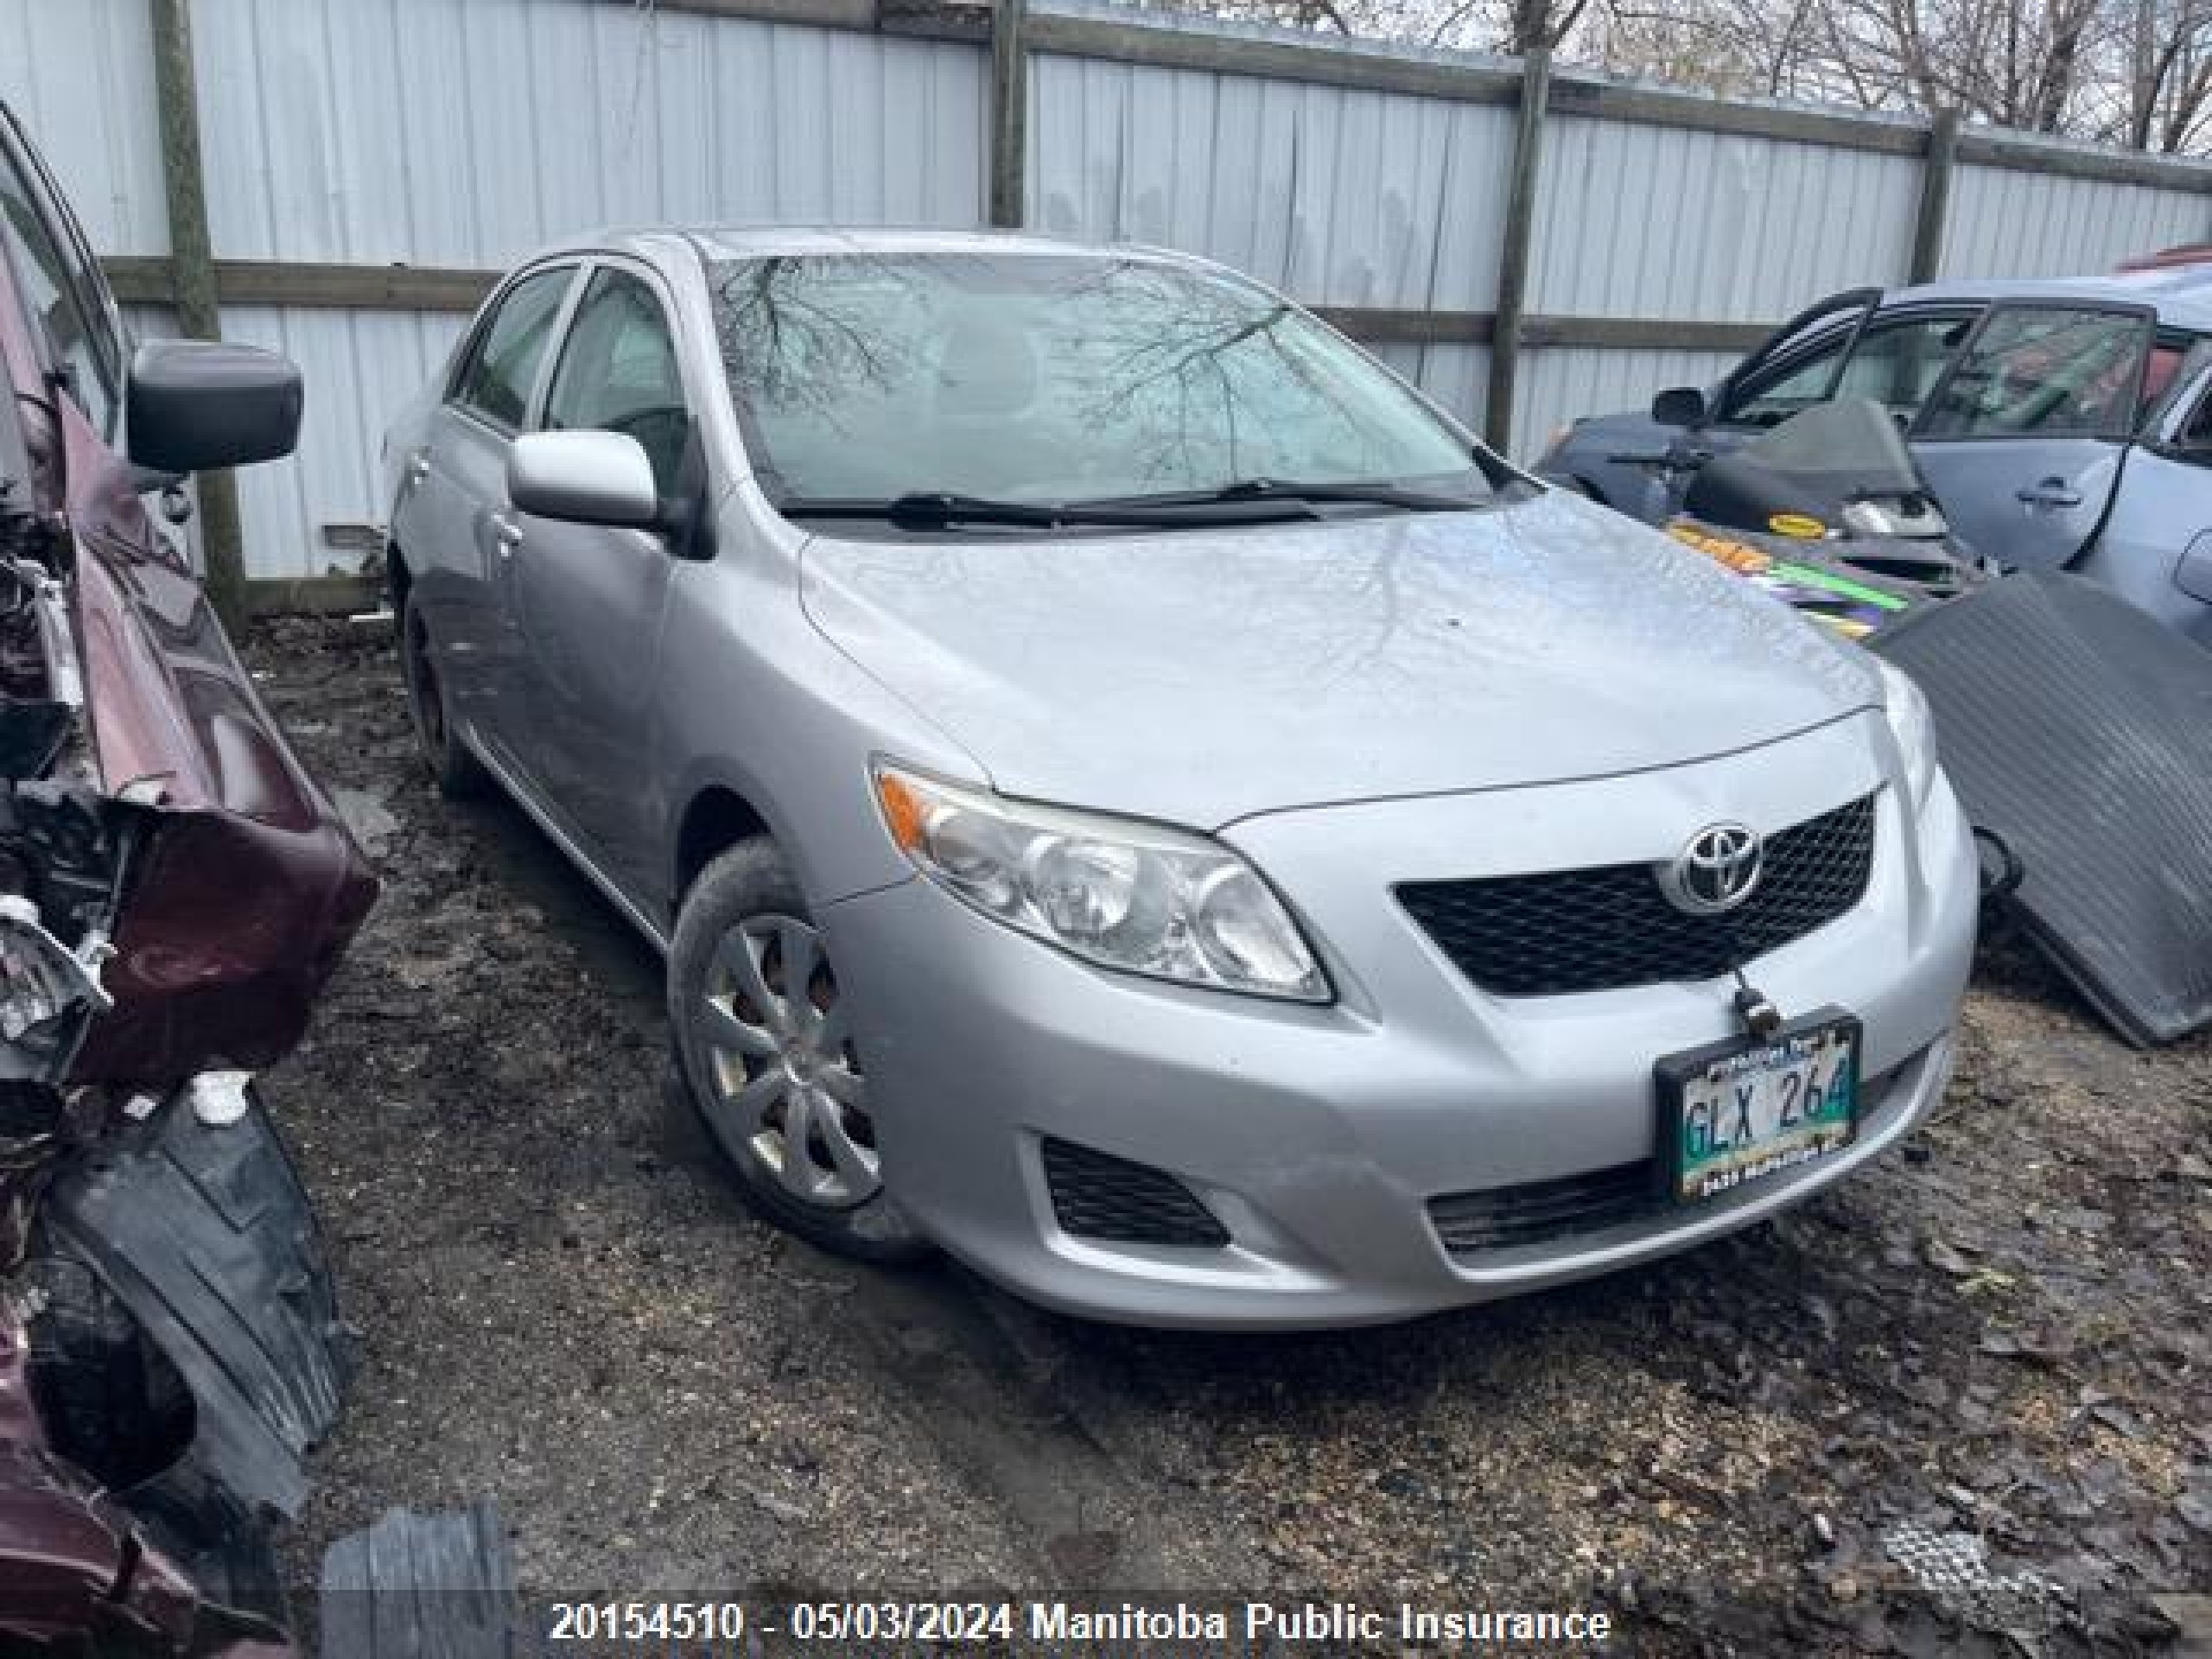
[
  {"x": 618, "y": 374},
  {"x": 2045, "y": 372}
]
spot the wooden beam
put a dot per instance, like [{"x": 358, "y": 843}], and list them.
[
  {"x": 943, "y": 20},
  {"x": 1988, "y": 147},
  {"x": 1376, "y": 326},
  {"x": 192, "y": 282},
  {"x": 335, "y": 596},
  {"x": 1009, "y": 158},
  {"x": 140, "y": 281},
  {"x": 1269, "y": 56},
  {"x": 1935, "y": 210},
  {"x": 1513, "y": 255},
  {"x": 1700, "y": 112},
  {"x": 1643, "y": 333},
  {"x": 320, "y": 287},
  {"x": 353, "y": 288},
  {"x": 406, "y": 288}
]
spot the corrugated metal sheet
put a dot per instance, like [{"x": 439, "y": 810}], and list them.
[
  {"x": 1659, "y": 222},
  {"x": 361, "y": 368},
  {"x": 465, "y": 132},
  {"x": 470, "y": 131},
  {"x": 2007, "y": 223},
  {"x": 81, "y": 75},
  {"x": 1337, "y": 196}
]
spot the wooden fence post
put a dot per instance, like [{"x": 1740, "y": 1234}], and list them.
[
  {"x": 1513, "y": 257},
  {"x": 1009, "y": 113},
  {"x": 1935, "y": 196},
  {"x": 192, "y": 264}
]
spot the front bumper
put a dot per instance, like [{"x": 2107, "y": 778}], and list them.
[{"x": 1317, "y": 1136}]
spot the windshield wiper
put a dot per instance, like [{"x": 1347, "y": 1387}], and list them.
[
  {"x": 924, "y": 510},
  {"x": 1290, "y": 492}
]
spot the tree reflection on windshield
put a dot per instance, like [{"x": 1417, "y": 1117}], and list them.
[{"x": 1052, "y": 377}]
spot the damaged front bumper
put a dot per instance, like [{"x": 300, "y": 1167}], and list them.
[{"x": 174, "y": 893}]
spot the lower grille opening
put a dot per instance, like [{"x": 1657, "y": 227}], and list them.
[
  {"x": 1096, "y": 1195},
  {"x": 1535, "y": 1212},
  {"x": 1538, "y": 1212}
]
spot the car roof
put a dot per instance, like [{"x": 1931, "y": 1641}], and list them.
[
  {"x": 2181, "y": 295},
  {"x": 713, "y": 243}
]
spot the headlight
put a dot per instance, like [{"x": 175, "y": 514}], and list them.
[
  {"x": 1913, "y": 518},
  {"x": 1134, "y": 896},
  {"x": 1907, "y": 708},
  {"x": 1872, "y": 518}
]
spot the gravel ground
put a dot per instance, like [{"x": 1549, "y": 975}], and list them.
[{"x": 1998, "y": 1334}]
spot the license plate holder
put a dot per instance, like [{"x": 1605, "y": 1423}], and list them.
[{"x": 1714, "y": 1139}]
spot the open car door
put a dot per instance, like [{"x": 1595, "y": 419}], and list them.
[{"x": 2022, "y": 439}]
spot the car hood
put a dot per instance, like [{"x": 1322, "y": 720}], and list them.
[{"x": 1202, "y": 675}]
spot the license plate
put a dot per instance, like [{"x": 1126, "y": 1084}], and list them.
[{"x": 1751, "y": 1107}]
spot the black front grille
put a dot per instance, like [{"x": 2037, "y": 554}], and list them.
[
  {"x": 1096, "y": 1195},
  {"x": 1537, "y": 1211},
  {"x": 1601, "y": 929}
]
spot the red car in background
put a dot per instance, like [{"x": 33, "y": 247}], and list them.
[
  {"x": 2192, "y": 253},
  {"x": 175, "y": 890}
]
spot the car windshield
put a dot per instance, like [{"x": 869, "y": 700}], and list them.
[{"x": 1046, "y": 379}]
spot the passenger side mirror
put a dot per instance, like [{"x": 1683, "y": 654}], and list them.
[
  {"x": 1679, "y": 406},
  {"x": 198, "y": 403},
  {"x": 584, "y": 478}
]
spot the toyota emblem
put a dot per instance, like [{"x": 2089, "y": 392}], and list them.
[{"x": 1716, "y": 872}]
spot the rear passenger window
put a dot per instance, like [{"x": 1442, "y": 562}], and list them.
[{"x": 496, "y": 377}]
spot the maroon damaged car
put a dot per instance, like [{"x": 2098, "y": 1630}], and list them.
[{"x": 174, "y": 892}]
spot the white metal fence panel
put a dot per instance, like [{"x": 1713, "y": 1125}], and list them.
[
  {"x": 79, "y": 74},
  {"x": 467, "y": 132},
  {"x": 361, "y": 368},
  {"x": 1662, "y": 222},
  {"x": 1336, "y": 195},
  {"x": 2008, "y": 223}
]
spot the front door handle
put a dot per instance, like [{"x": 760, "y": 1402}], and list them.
[
  {"x": 506, "y": 534},
  {"x": 418, "y": 467},
  {"x": 2049, "y": 492}
]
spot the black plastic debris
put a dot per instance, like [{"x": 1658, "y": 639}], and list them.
[
  {"x": 422, "y": 1586},
  {"x": 2080, "y": 731},
  {"x": 206, "y": 1236}
]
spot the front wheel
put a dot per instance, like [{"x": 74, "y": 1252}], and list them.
[{"x": 764, "y": 1041}]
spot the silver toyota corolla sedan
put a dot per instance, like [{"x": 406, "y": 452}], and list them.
[{"x": 1134, "y": 796}]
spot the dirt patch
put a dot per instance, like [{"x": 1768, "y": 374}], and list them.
[{"x": 1997, "y": 1334}]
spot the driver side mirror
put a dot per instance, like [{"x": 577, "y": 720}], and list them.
[
  {"x": 1679, "y": 406},
  {"x": 195, "y": 404},
  {"x": 584, "y": 478}
]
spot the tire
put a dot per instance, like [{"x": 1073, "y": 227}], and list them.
[
  {"x": 459, "y": 775},
  {"x": 749, "y": 1060}
]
